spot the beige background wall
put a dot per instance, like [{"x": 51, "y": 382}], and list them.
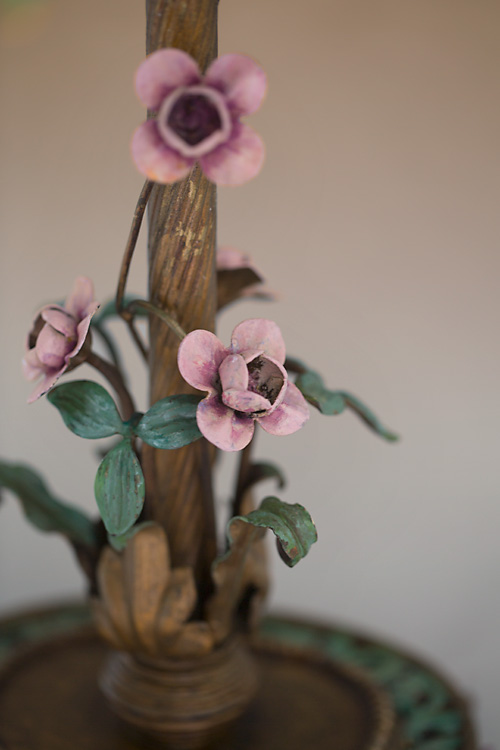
[{"x": 376, "y": 216}]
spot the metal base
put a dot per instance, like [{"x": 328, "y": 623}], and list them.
[{"x": 320, "y": 688}]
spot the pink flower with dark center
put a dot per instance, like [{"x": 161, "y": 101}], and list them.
[
  {"x": 246, "y": 383},
  {"x": 58, "y": 336},
  {"x": 197, "y": 118}
]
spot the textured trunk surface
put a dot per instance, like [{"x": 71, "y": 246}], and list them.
[{"x": 182, "y": 223}]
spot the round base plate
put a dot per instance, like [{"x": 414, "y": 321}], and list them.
[{"x": 313, "y": 693}]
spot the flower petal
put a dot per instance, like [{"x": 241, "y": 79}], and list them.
[
  {"x": 259, "y": 334},
  {"x": 199, "y": 358},
  {"x": 243, "y": 82},
  {"x": 290, "y": 416},
  {"x": 236, "y": 161},
  {"x": 52, "y": 347},
  {"x": 156, "y": 160},
  {"x": 82, "y": 331},
  {"x": 32, "y": 367},
  {"x": 163, "y": 71},
  {"x": 245, "y": 401},
  {"x": 230, "y": 258},
  {"x": 233, "y": 373},
  {"x": 60, "y": 320},
  {"x": 80, "y": 297},
  {"x": 50, "y": 379},
  {"x": 222, "y": 426}
]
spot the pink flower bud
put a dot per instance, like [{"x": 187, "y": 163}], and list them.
[{"x": 57, "y": 337}]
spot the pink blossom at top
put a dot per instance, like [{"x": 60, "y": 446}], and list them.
[
  {"x": 57, "y": 336},
  {"x": 197, "y": 118},
  {"x": 246, "y": 383}
]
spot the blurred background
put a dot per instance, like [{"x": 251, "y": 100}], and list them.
[{"x": 376, "y": 217}]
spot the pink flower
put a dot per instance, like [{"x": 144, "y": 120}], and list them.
[
  {"x": 57, "y": 336},
  {"x": 198, "y": 118},
  {"x": 246, "y": 383}
]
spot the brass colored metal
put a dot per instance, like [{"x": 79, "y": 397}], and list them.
[
  {"x": 184, "y": 703},
  {"x": 143, "y": 605},
  {"x": 49, "y": 700},
  {"x": 182, "y": 281}
]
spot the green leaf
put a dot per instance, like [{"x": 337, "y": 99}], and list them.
[
  {"x": 119, "y": 542},
  {"x": 258, "y": 472},
  {"x": 87, "y": 409},
  {"x": 170, "y": 423},
  {"x": 313, "y": 389},
  {"x": 42, "y": 508},
  {"x": 329, "y": 402},
  {"x": 292, "y": 525},
  {"x": 108, "y": 310},
  {"x": 368, "y": 417},
  {"x": 243, "y": 564},
  {"x": 119, "y": 489}
]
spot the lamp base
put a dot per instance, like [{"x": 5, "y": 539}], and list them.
[{"x": 314, "y": 691}]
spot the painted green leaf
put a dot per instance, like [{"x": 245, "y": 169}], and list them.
[
  {"x": 119, "y": 489},
  {"x": 292, "y": 525},
  {"x": 368, "y": 417},
  {"x": 242, "y": 565},
  {"x": 312, "y": 387},
  {"x": 329, "y": 402},
  {"x": 42, "y": 508},
  {"x": 423, "y": 723},
  {"x": 87, "y": 409},
  {"x": 264, "y": 470},
  {"x": 170, "y": 423}
]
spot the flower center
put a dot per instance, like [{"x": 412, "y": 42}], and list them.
[
  {"x": 194, "y": 118},
  {"x": 265, "y": 378}
]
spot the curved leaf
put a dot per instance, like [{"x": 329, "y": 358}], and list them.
[
  {"x": 292, "y": 525},
  {"x": 42, "y": 508},
  {"x": 232, "y": 281},
  {"x": 170, "y": 423},
  {"x": 119, "y": 489},
  {"x": 329, "y": 402},
  {"x": 295, "y": 532},
  {"x": 368, "y": 417},
  {"x": 313, "y": 389},
  {"x": 87, "y": 409}
]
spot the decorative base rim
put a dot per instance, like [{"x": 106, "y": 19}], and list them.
[{"x": 428, "y": 708}]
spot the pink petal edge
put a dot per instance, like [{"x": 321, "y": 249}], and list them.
[
  {"x": 230, "y": 258},
  {"x": 260, "y": 334},
  {"x": 238, "y": 160},
  {"x": 290, "y": 416},
  {"x": 233, "y": 373},
  {"x": 61, "y": 320},
  {"x": 80, "y": 297},
  {"x": 32, "y": 367},
  {"x": 50, "y": 379},
  {"x": 154, "y": 159},
  {"x": 222, "y": 427},
  {"x": 245, "y": 401},
  {"x": 199, "y": 358},
  {"x": 163, "y": 71},
  {"x": 242, "y": 80}
]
